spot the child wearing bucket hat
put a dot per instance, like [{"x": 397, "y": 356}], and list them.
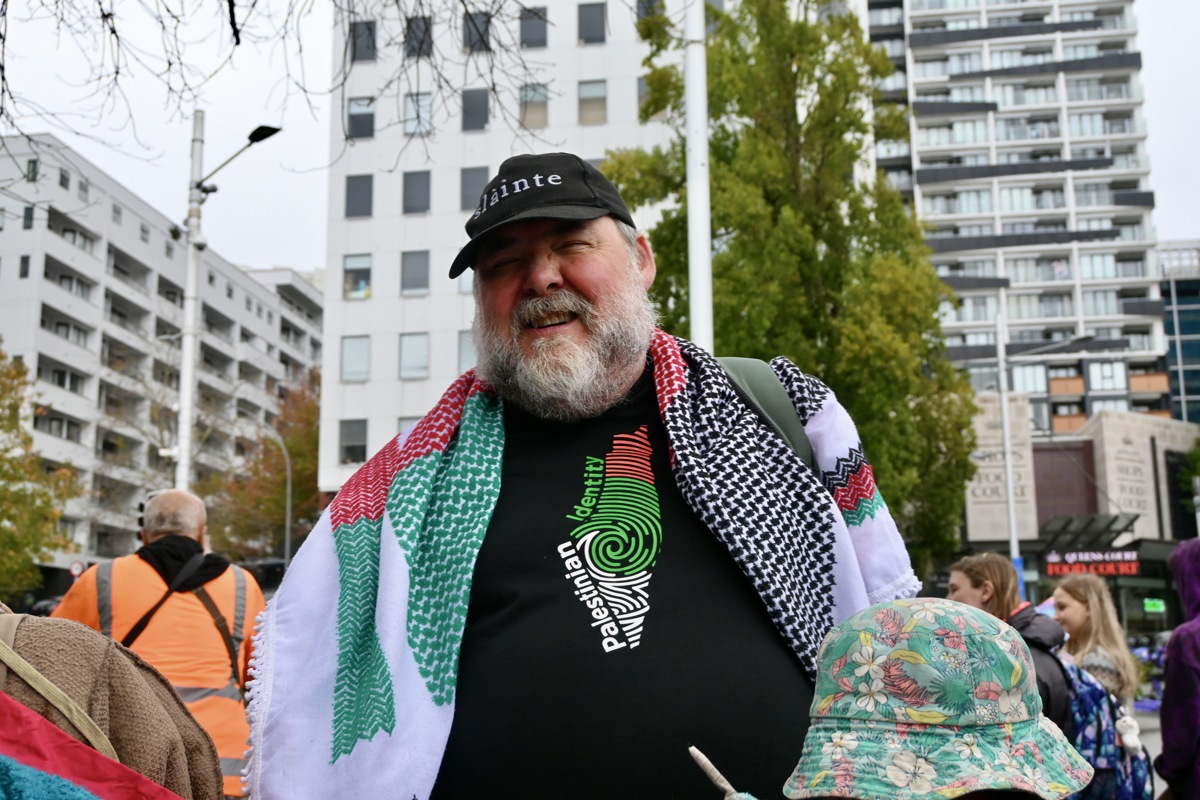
[{"x": 929, "y": 698}]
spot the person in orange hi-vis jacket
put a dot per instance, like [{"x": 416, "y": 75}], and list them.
[{"x": 189, "y": 613}]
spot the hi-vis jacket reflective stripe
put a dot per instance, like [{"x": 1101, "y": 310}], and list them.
[{"x": 181, "y": 641}]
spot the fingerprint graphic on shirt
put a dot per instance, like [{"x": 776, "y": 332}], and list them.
[{"x": 609, "y": 556}]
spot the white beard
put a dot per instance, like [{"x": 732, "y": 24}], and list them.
[{"x": 563, "y": 379}]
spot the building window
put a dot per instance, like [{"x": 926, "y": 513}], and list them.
[
  {"x": 1028, "y": 378},
  {"x": 1107, "y": 376},
  {"x": 533, "y": 27},
  {"x": 418, "y": 37},
  {"x": 23, "y": 269},
  {"x": 476, "y": 37},
  {"x": 212, "y": 278},
  {"x": 534, "y": 105},
  {"x": 466, "y": 351},
  {"x": 471, "y": 183},
  {"x": 414, "y": 272},
  {"x": 359, "y": 194},
  {"x": 475, "y": 109},
  {"x": 648, "y": 8},
  {"x": 356, "y": 277},
  {"x": 116, "y": 214},
  {"x": 362, "y": 41},
  {"x": 83, "y": 190},
  {"x": 356, "y": 358},
  {"x": 352, "y": 441},
  {"x": 64, "y": 178},
  {"x": 591, "y": 23},
  {"x": 416, "y": 192},
  {"x": 466, "y": 282},
  {"x": 27, "y": 221},
  {"x": 414, "y": 356},
  {"x": 31, "y": 170},
  {"x": 360, "y": 117},
  {"x": 47, "y": 421},
  {"x": 404, "y": 423},
  {"x": 593, "y": 102},
  {"x": 168, "y": 248},
  {"x": 229, "y": 290},
  {"x": 144, "y": 232},
  {"x": 418, "y": 114}
]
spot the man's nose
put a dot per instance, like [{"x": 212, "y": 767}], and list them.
[{"x": 543, "y": 275}]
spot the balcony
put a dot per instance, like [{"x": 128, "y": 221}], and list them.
[
  {"x": 1150, "y": 383},
  {"x": 1067, "y": 387},
  {"x": 1068, "y": 423},
  {"x": 1019, "y": 130},
  {"x": 1096, "y": 92},
  {"x": 943, "y": 5}
]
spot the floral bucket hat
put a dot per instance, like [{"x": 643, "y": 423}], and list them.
[{"x": 930, "y": 698}]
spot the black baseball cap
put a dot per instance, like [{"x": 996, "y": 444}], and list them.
[{"x": 545, "y": 186}]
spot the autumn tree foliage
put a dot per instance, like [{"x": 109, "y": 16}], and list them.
[
  {"x": 32, "y": 493},
  {"x": 247, "y": 506},
  {"x": 814, "y": 257}
]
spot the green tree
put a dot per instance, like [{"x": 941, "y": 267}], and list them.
[
  {"x": 812, "y": 258},
  {"x": 32, "y": 496},
  {"x": 247, "y": 508}
]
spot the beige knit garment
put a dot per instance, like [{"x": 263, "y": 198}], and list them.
[{"x": 132, "y": 703}]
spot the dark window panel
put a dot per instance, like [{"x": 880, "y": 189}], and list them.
[
  {"x": 475, "y": 109},
  {"x": 418, "y": 37},
  {"x": 472, "y": 181},
  {"x": 591, "y": 23},
  {"x": 476, "y": 34},
  {"x": 533, "y": 27},
  {"x": 359, "y": 195},
  {"x": 416, "y": 192},
  {"x": 362, "y": 41}
]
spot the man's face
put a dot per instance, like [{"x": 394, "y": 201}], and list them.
[{"x": 562, "y": 321}]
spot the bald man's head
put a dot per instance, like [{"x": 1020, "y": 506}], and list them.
[{"x": 175, "y": 511}]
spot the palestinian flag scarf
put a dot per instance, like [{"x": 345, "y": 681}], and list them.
[{"x": 355, "y": 657}]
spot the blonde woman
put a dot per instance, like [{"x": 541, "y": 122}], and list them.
[{"x": 1096, "y": 641}]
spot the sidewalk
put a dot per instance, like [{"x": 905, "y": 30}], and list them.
[{"x": 1151, "y": 734}]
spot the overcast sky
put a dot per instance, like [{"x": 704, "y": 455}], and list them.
[{"x": 270, "y": 207}]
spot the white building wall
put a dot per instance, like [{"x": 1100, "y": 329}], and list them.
[{"x": 446, "y": 310}]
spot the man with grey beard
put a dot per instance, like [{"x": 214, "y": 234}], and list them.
[{"x": 593, "y": 553}]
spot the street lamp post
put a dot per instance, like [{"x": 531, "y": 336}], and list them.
[
  {"x": 695, "y": 73},
  {"x": 197, "y": 192},
  {"x": 287, "y": 524}
]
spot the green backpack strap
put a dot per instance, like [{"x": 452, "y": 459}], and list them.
[{"x": 760, "y": 385}]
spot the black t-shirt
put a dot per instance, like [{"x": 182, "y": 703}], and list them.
[{"x": 608, "y": 630}]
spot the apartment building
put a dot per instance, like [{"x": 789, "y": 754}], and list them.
[
  {"x": 1180, "y": 261},
  {"x": 91, "y": 297},
  {"x": 1027, "y": 159},
  {"x": 409, "y": 171}
]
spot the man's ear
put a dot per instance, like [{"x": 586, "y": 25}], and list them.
[{"x": 645, "y": 260}]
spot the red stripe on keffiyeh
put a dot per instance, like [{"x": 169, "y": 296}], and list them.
[
  {"x": 861, "y": 486},
  {"x": 364, "y": 495},
  {"x": 670, "y": 370}
]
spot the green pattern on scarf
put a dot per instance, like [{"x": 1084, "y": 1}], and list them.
[
  {"x": 866, "y": 508},
  {"x": 364, "y": 702},
  {"x": 440, "y": 524}
]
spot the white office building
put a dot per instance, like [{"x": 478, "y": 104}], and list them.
[
  {"x": 91, "y": 297},
  {"x": 409, "y": 170}
]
